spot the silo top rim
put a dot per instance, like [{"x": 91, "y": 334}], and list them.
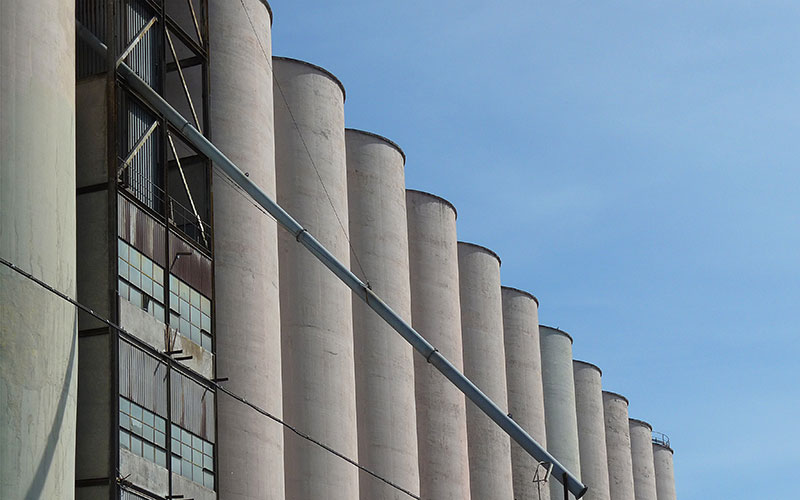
[
  {"x": 269, "y": 9},
  {"x": 318, "y": 68},
  {"x": 669, "y": 449},
  {"x": 642, "y": 422},
  {"x": 618, "y": 395},
  {"x": 592, "y": 365},
  {"x": 562, "y": 332},
  {"x": 446, "y": 202},
  {"x": 488, "y": 250},
  {"x": 523, "y": 292},
  {"x": 384, "y": 139}
]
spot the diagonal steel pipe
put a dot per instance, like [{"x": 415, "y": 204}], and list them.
[{"x": 417, "y": 341}]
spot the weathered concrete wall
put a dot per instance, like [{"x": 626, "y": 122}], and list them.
[
  {"x": 644, "y": 474},
  {"x": 591, "y": 430},
  {"x": 38, "y": 331},
  {"x": 247, "y": 302},
  {"x": 484, "y": 363},
  {"x": 384, "y": 363},
  {"x": 436, "y": 314},
  {"x": 559, "y": 402},
  {"x": 316, "y": 309},
  {"x": 665, "y": 472},
  {"x": 618, "y": 446},
  {"x": 524, "y": 376}
]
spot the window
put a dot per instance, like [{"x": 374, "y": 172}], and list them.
[
  {"x": 142, "y": 432},
  {"x": 141, "y": 281},
  {"x": 192, "y": 457},
  {"x": 189, "y": 312}
]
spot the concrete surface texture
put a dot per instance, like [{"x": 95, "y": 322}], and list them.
[
  {"x": 644, "y": 474},
  {"x": 316, "y": 310},
  {"x": 665, "y": 472},
  {"x": 247, "y": 302},
  {"x": 38, "y": 330},
  {"x": 524, "y": 380},
  {"x": 618, "y": 446},
  {"x": 384, "y": 362},
  {"x": 484, "y": 363},
  {"x": 561, "y": 419},
  {"x": 436, "y": 315},
  {"x": 591, "y": 430}
]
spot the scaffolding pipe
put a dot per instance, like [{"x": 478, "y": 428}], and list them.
[{"x": 470, "y": 390}]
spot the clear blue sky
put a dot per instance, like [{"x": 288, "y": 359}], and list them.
[{"x": 635, "y": 165}]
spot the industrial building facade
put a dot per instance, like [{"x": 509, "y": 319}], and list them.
[{"x": 212, "y": 356}]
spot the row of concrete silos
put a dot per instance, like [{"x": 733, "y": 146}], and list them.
[
  {"x": 298, "y": 344},
  {"x": 289, "y": 338}
]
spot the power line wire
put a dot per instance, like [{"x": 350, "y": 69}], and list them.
[{"x": 216, "y": 385}]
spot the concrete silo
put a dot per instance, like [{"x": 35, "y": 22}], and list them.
[
  {"x": 524, "y": 379},
  {"x": 665, "y": 472},
  {"x": 436, "y": 314},
  {"x": 38, "y": 330},
  {"x": 316, "y": 309},
  {"x": 644, "y": 475},
  {"x": 384, "y": 362},
  {"x": 246, "y": 253},
  {"x": 484, "y": 363},
  {"x": 618, "y": 446},
  {"x": 559, "y": 402},
  {"x": 591, "y": 429}
]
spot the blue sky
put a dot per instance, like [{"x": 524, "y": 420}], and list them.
[{"x": 635, "y": 165}]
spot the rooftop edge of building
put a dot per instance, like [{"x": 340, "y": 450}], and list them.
[
  {"x": 269, "y": 10},
  {"x": 591, "y": 365},
  {"x": 523, "y": 292},
  {"x": 382, "y": 138},
  {"x": 616, "y": 394},
  {"x": 668, "y": 448},
  {"x": 642, "y": 422},
  {"x": 558, "y": 330},
  {"x": 481, "y": 247},
  {"x": 435, "y": 196},
  {"x": 318, "y": 68}
]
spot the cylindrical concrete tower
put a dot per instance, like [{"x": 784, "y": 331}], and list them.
[
  {"x": 665, "y": 473},
  {"x": 591, "y": 430},
  {"x": 316, "y": 310},
  {"x": 387, "y": 420},
  {"x": 644, "y": 474},
  {"x": 559, "y": 402},
  {"x": 246, "y": 254},
  {"x": 38, "y": 330},
  {"x": 484, "y": 364},
  {"x": 618, "y": 446},
  {"x": 436, "y": 314},
  {"x": 524, "y": 376}
]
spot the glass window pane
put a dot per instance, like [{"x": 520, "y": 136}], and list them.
[
  {"x": 173, "y": 284},
  {"x": 208, "y": 448},
  {"x": 161, "y": 458},
  {"x": 186, "y": 468},
  {"x": 147, "y": 285},
  {"x": 197, "y": 443},
  {"x": 184, "y": 327},
  {"x": 174, "y": 302},
  {"x": 124, "y": 421},
  {"x": 195, "y": 297},
  {"x": 158, "y": 274},
  {"x": 205, "y": 305},
  {"x": 135, "y": 258},
  {"x": 124, "y": 440},
  {"x": 186, "y": 452},
  {"x": 208, "y": 480},
  {"x": 197, "y": 457},
  {"x": 195, "y": 334},
  {"x": 136, "y": 445},
  {"x": 123, "y": 268},
  {"x": 198, "y": 473},
  {"x": 184, "y": 291},
  {"x": 205, "y": 342},
  {"x": 185, "y": 310},
  {"x": 158, "y": 311},
  {"x": 123, "y": 289},
  {"x": 208, "y": 462},
  {"x": 136, "y": 411},
  {"x": 147, "y": 266},
  {"x": 149, "y": 418},
  {"x": 176, "y": 464},
  {"x": 195, "y": 317},
  {"x": 147, "y": 433},
  {"x": 161, "y": 424},
  {"x": 176, "y": 446},
  {"x": 124, "y": 405},
  {"x": 160, "y": 438},
  {"x": 122, "y": 249},
  {"x": 148, "y": 452},
  {"x": 158, "y": 292},
  {"x": 205, "y": 323}
]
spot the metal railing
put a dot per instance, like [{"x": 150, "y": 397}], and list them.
[
  {"x": 139, "y": 181},
  {"x": 184, "y": 219},
  {"x": 661, "y": 439}
]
